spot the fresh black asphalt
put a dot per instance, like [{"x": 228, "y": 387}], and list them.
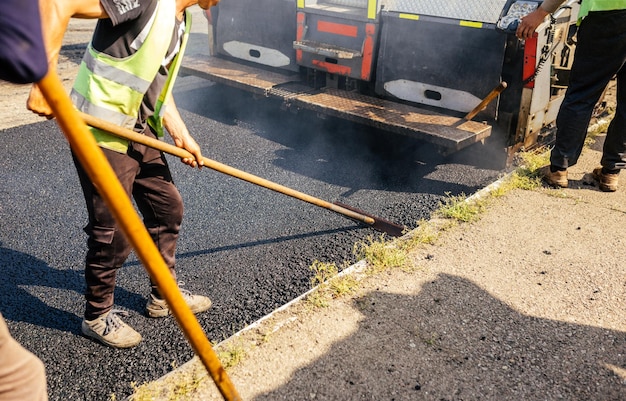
[{"x": 246, "y": 247}]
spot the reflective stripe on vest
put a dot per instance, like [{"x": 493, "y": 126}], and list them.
[
  {"x": 115, "y": 74},
  {"x": 113, "y": 88},
  {"x": 156, "y": 121}
]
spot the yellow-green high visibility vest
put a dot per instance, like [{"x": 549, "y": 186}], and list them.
[
  {"x": 113, "y": 88},
  {"x": 156, "y": 120},
  {"x": 600, "y": 5}
]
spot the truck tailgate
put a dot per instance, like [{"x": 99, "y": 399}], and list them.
[{"x": 449, "y": 132}]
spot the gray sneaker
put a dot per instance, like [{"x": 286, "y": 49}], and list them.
[
  {"x": 110, "y": 330},
  {"x": 158, "y": 307}
]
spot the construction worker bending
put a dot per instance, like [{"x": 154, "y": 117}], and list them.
[{"x": 126, "y": 77}]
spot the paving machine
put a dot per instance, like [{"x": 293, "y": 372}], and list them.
[{"x": 434, "y": 70}]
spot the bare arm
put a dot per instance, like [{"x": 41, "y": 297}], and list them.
[
  {"x": 55, "y": 17},
  {"x": 177, "y": 129}
]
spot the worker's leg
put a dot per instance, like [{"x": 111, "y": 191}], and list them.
[
  {"x": 593, "y": 67},
  {"x": 22, "y": 374},
  {"x": 107, "y": 245},
  {"x": 614, "y": 152},
  {"x": 158, "y": 201},
  {"x": 161, "y": 206}
]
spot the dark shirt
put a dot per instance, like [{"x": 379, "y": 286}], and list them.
[{"x": 22, "y": 52}]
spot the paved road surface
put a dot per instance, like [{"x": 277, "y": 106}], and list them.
[{"x": 246, "y": 247}]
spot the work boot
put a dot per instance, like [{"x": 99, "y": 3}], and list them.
[
  {"x": 607, "y": 182},
  {"x": 157, "y": 307},
  {"x": 557, "y": 179},
  {"x": 110, "y": 330}
]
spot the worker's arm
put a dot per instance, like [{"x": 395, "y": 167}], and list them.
[
  {"x": 55, "y": 17},
  {"x": 174, "y": 124},
  {"x": 529, "y": 23}
]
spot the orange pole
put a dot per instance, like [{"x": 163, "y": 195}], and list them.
[{"x": 93, "y": 160}]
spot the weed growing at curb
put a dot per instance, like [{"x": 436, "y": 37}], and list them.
[
  {"x": 329, "y": 284},
  {"x": 176, "y": 387},
  {"x": 322, "y": 272},
  {"x": 525, "y": 177},
  {"x": 424, "y": 234},
  {"x": 380, "y": 254},
  {"x": 231, "y": 355},
  {"x": 459, "y": 208}
]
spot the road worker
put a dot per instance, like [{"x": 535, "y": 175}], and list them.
[
  {"x": 600, "y": 56},
  {"x": 126, "y": 77}
]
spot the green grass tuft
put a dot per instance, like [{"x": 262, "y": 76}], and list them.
[
  {"x": 380, "y": 254},
  {"x": 329, "y": 284},
  {"x": 459, "y": 208}
]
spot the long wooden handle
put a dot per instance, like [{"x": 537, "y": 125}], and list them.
[
  {"x": 492, "y": 95},
  {"x": 222, "y": 168}
]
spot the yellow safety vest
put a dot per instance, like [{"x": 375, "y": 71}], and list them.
[
  {"x": 600, "y": 5},
  {"x": 113, "y": 88}
]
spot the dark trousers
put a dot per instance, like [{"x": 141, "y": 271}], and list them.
[
  {"x": 600, "y": 55},
  {"x": 144, "y": 174}
]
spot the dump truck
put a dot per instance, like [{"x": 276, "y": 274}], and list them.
[{"x": 449, "y": 72}]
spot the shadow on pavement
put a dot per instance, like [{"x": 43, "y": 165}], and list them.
[
  {"x": 454, "y": 341},
  {"x": 28, "y": 283}
]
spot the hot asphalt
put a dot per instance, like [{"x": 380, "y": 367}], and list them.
[{"x": 246, "y": 247}]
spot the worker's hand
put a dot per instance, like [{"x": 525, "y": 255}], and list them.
[
  {"x": 529, "y": 23},
  {"x": 186, "y": 142},
  {"x": 38, "y": 104}
]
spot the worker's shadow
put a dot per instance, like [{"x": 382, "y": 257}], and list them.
[
  {"x": 73, "y": 52},
  {"x": 27, "y": 282},
  {"x": 29, "y": 287},
  {"x": 454, "y": 341}
]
